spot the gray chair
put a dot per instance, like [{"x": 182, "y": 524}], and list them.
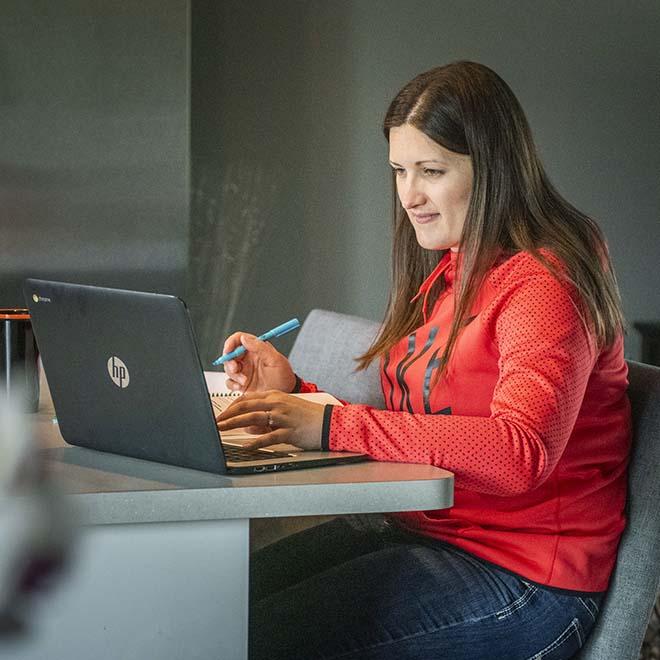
[
  {"x": 620, "y": 628},
  {"x": 323, "y": 353}
]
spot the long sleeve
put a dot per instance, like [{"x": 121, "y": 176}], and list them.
[{"x": 545, "y": 361}]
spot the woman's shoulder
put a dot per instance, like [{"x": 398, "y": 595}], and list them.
[{"x": 545, "y": 268}]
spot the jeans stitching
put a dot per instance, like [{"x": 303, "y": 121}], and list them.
[
  {"x": 573, "y": 627},
  {"x": 585, "y": 604},
  {"x": 579, "y": 631},
  {"x": 516, "y": 605},
  {"x": 403, "y": 638}
]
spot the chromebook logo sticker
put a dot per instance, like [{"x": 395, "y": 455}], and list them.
[{"x": 118, "y": 372}]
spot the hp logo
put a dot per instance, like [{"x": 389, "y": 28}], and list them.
[{"x": 118, "y": 372}]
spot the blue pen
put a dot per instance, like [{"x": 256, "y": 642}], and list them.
[{"x": 275, "y": 332}]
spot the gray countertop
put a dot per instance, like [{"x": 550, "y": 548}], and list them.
[{"x": 110, "y": 489}]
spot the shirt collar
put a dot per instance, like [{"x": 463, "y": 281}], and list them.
[
  {"x": 448, "y": 260},
  {"x": 447, "y": 265}
]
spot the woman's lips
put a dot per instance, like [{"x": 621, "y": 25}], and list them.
[{"x": 424, "y": 218}]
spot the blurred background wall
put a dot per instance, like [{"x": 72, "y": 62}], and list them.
[
  {"x": 231, "y": 152},
  {"x": 295, "y": 91},
  {"x": 94, "y": 135}
]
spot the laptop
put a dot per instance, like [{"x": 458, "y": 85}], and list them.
[{"x": 125, "y": 376}]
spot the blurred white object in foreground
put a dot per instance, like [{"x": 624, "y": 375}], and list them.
[{"x": 35, "y": 529}]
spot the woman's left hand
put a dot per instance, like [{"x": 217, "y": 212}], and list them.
[{"x": 276, "y": 418}]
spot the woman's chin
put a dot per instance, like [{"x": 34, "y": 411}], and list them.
[{"x": 433, "y": 244}]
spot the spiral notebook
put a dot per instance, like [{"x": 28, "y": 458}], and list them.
[{"x": 125, "y": 377}]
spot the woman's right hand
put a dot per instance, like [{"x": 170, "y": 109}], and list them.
[{"x": 261, "y": 367}]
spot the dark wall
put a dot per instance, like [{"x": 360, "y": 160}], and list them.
[
  {"x": 94, "y": 114},
  {"x": 290, "y": 192},
  {"x": 249, "y": 148},
  {"x": 319, "y": 75}
]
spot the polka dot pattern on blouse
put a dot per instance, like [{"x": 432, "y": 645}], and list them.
[{"x": 514, "y": 387}]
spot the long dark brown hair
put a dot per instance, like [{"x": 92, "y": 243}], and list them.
[{"x": 467, "y": 108}]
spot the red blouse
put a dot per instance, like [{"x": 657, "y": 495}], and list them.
[{"x": 533, "y": 422}]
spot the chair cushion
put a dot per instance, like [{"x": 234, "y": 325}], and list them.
[{"x": 324, "y": 353}]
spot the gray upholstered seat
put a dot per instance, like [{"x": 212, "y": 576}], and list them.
[
  {"x": 323, "y": 353},
  {"x": 620, "y": 628}
]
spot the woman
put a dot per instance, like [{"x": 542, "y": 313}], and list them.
[{"x": 502, "y": 361}]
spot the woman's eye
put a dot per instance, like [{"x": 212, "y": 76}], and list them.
[
  {"x": 431, "y": 172},
  {"x": 398, "y": 171}
]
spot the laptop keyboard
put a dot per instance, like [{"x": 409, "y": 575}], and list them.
[{"x": 239, "y": 454}]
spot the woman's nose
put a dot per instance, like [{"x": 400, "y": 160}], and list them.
[{"x": 410, "y": 193}]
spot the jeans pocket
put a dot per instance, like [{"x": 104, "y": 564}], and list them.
[{"x": 565, "y": 645}]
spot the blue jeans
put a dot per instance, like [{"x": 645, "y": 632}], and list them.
[{"x": 334, "y": 591}]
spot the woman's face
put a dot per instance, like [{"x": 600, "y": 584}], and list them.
[{"x": 434, "y": 186}]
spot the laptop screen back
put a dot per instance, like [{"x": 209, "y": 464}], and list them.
[{"x": 124, "y": 373}]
